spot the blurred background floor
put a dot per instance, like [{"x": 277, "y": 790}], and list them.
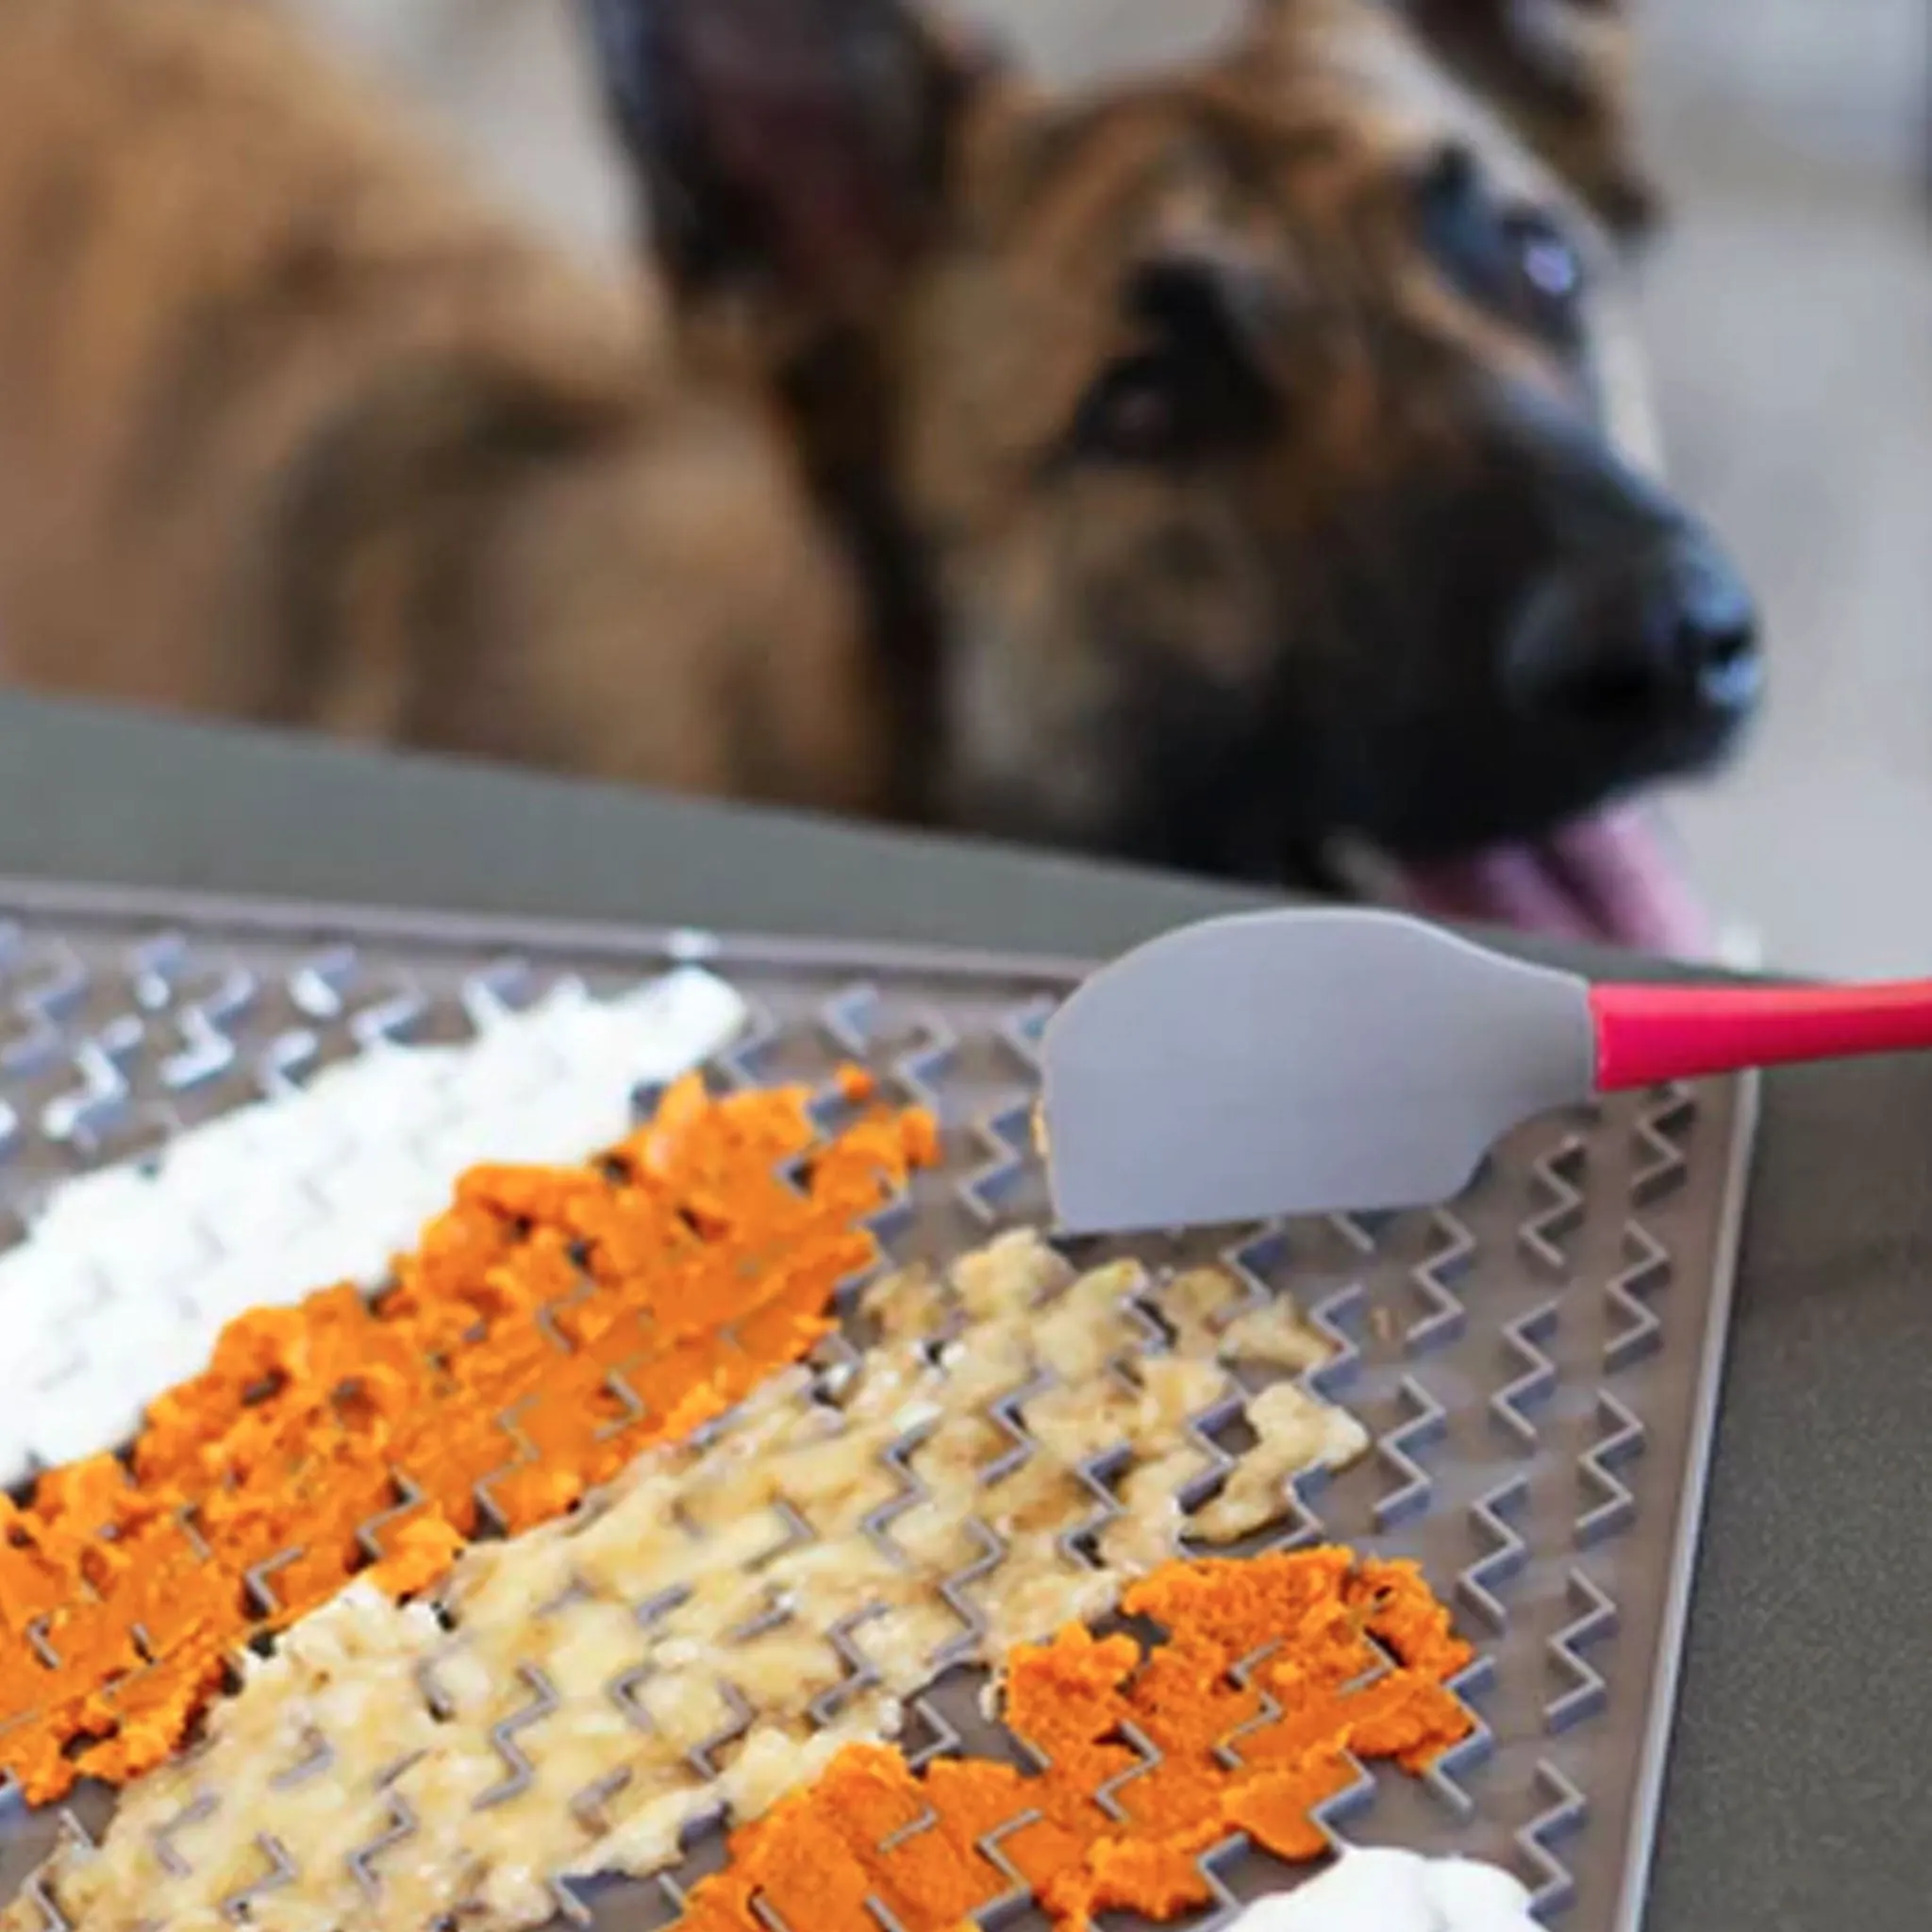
[{"x": 1790, "y": 325}]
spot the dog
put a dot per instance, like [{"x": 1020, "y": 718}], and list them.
[{"x": 1220, "y": 472}]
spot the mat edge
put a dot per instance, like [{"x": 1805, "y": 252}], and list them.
[{"x": 1693, "y": 1506}]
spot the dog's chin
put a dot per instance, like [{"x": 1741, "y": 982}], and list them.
[{"x": 1611, "y": 878}]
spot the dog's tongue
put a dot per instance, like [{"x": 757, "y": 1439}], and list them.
[{"x": 1611, "y": 878}]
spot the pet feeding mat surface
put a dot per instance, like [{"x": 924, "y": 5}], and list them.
[{"x": 1538, "y": 1364}]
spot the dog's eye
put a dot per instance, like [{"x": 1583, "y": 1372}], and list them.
[
  {"x": 1138, "y": 413},
  {"x": 1515, "y": 260},
  {"x": 1193, "y": 392},
  {"x": 1546, "y": 270}
]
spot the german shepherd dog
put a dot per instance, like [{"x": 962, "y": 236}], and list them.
[{"x": 1226, "y": 471}]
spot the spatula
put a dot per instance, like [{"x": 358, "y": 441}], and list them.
[{"x": 1337, "y": 1059}]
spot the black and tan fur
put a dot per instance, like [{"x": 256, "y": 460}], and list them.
[
  {"x": 1563, "y": 73},
  {"x": 851, "y": 501},
  {"x": 296, "y": 428}
]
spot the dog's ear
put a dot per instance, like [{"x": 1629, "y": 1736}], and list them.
[
  {"x": 794, "y": 148},
  {"x": 1562, "y": 71}
]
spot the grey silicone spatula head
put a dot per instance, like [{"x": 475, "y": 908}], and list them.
[{"x": 1301, "y": 1062}]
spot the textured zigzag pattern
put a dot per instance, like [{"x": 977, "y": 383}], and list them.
[
  {"x": 279, "y": 1871},
  {"x": 1007, "y": 1415},
  {"x": 1079, "y": 1541},
  {"x": 1494, "y": 1516},
  {"x": 1446, "y": 1778},
  {"x": 935, "y": 1733},
  {"x": 129, "y": 1275},
  {"x": 1247, "y": 1262},
  {"x": 1445, "y": 1318},
  {"x": 1537, "y": 1377},
  {"x": 1426, "y": 1421},
  {"x": 1596, "y": 1622},
  {"x": 1003, "y": 1137},
  {"x": 1662, "y": 1166},
  {"x": 956, "y": 1594},
  {"x": 861, "y": 1674},
  {"x": 996, "y": 1911},
  {"x": 162, "y": 1838},
  {"x": 739, "y": 1718},
  {"x": 993, "y": 1849},
  {"x": 1108, "y": 1795},
  {"x": 1612, "y": 1505},
  {"x": 848, "y": 1022},
  {"x": 1267, "y": 1711},
  {"x": 182, "y": 1021},
  {"x": 1334, "y": 1814},
  {"x": 72, "y": 1835},
  {"x": 317, "y": 1755},
  {"x": 1646, "y": 1273},
  {"x": 398, "y": 1827},
  {"x": 524, "y": 1454},
  {"x": 1567, "y": 1813},
  {"x": 46, "y": 1007},
  {"x": 1562, "y": 1205},
  {"x": 260, "y": 1583},
  {"x": 1327, "y": 1318},
  {"x": 190, "y": 1024},
  {"x": 517, "y": 1769}
]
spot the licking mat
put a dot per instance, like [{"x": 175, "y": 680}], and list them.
[{"x": 1537, "y": 1364}]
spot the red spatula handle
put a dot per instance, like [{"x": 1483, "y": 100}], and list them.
[{"x": 1649, "y": 1034}]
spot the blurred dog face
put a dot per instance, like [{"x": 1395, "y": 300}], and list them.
[{"x": 1238, "y": 449}]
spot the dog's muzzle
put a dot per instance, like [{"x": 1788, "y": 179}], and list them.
[{"x": 1644, "y": 657}]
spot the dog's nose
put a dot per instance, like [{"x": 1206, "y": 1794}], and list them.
[{"x": 1663, "y": 641}]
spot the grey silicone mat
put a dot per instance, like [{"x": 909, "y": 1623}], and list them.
[{"x": 1538, "y": 1363}]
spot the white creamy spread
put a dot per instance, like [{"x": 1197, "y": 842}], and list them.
[{"x": 1397, "y": 1891}]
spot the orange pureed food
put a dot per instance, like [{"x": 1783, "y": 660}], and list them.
[
  {"x": 1310, "y": 1632},
  {"x": 548, "y": 1327}
]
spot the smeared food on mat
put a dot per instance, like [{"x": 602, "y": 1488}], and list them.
[
  {"x": 548, "y": 1327},
  {"x": 711, "y": 1630},
  {"x": 1274, "y": 1674},
  {"x": 127, "y": 1275}
]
